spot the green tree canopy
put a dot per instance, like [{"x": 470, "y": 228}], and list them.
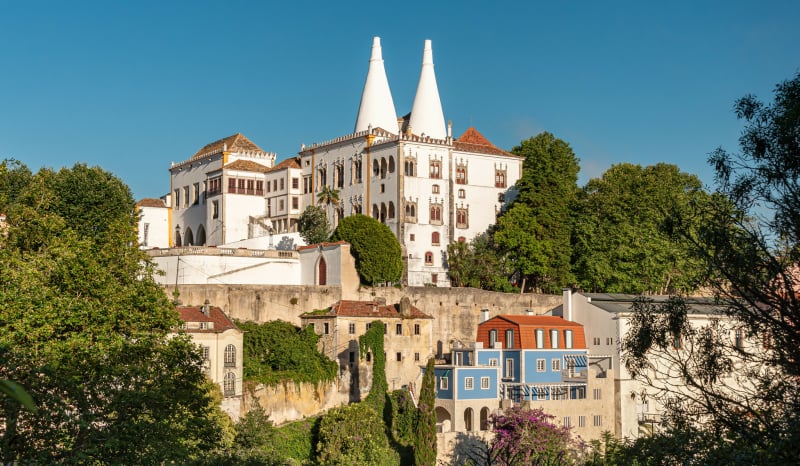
[
  {"x": 87, "y": 333},
  {"x": 354, "y": 434},
  {"x": 374, "y": 246},
  {"x": 425, "y": 431},
  {"x": 619, "y": 241},
  {"x": 313, "y": 225},
  {"x": 534, "y": 232},
  {"x": 478, "y": 264}
]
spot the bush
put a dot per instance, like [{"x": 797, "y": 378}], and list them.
[
  {"x": 354, "y": 434},
  {"x": 374, "y": 246}
]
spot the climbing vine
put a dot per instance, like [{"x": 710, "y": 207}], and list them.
[{"x": 372, "y": 342}]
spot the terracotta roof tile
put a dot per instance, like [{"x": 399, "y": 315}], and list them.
[
  {"x": 151, "y": 202},
  {"x": 527, "y": 325},
  {"x": 292, "y": 162},
  {"x": 473, "y": 141},
  {"x": 247, "y": 166},
  {"x": 235, "y": 143},
  {"x": 346, "y": 308},
  {"x": 216, "y": 315}
]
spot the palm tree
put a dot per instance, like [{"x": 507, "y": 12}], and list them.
[{"x": 328, "y": 196}]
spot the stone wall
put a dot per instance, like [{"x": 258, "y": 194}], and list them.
[
  {"x": 290, "y": 401},
  {"x": 456, "y": 311}
]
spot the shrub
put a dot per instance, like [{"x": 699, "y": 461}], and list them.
[
  {"x": 354, "y": 434},
  {"x": 374, "y": 246}
]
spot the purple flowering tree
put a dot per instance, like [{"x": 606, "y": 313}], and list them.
[{"x": 529, "y": 437}]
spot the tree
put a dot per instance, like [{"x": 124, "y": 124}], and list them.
[
  {"x": 751, "y": 247},
  {"x": 534, "y": 232},
  {"x": 619, "y": 243},
  {"x": 354, "y": 434},
  {"x": 371, "y": 342},
  {"x": 425, "y": 432},
  {"x": 313, "y": 225},
  {"x": 374, "y": 246},
  {"x": 328, "y": 196},
  {"x": 88, "y": 335},
  {"x": 478, "y": 264}
]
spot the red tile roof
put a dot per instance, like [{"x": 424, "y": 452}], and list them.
[
  {"x": 292, "y": 162},
  {"x": 346, "y": 308},
  {"x": 216, "y": 315},
  {"x": 247, "y": 166},
  {"x": 235, "y": 143},
  {"x": 527, "y": 325},
  {"x": 473, "y": 141},
  {"x": 151, "y": 202}
]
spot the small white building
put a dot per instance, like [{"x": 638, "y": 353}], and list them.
[{"x": 153, "y": 224}]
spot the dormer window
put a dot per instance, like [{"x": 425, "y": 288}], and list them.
[
  {"x": 554, "y": 338},
  {"x": 568, "y": 338}
]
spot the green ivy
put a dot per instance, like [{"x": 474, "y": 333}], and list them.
[
  {"x": 372, "y": 341},
  {"x": 276, "y": 351}
]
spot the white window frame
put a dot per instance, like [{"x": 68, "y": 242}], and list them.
[
  {"x": 469, "y": 383},
  {"x": 554, "y": 338},
  {"x": 555, "y": 365},
  {"x": 568, "y": 343},
  {"x": 444, "y": 383},
  {"x": 509, "y": 372},
  {"x": 541, "y": 365},
  {"x": 484, "y": 383},
  {"x": 493, "y": 362}
]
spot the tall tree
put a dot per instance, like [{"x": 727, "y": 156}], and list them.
[
  {"x": 619, "y": 241},
  {"x": 87, "y": 333},
  {"x": 313, "y": 225},
  {"x": 425, "y": 431},
  {"x": 753, "y": 250},
  {"x": 478, "y": 264},
  {"x": 534, "y": 232}
]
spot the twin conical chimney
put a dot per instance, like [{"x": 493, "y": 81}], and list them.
[
  {"x": 377, "y": 107},
  {"x": 427, "y": 118}
]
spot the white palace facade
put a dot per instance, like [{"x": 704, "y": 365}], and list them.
[{"x": 409, "y": 172}]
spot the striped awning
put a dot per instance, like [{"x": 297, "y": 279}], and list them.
[{"x": 578, "y": 359}]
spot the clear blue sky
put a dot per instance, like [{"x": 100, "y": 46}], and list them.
[{"x": 131, "y": 86}]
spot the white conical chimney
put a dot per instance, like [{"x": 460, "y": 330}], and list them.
[
  {"x": 377, "y": 106},
  {"x": 427, "y": 117}
]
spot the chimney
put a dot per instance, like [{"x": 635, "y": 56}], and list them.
[
  {"x": 566, "y": 299},
  {"x": 206, "y": 308},
  {"x": 484, "y": 315},
  {"x": 405, "y": 307},
  {"x": 528, "y": 312}
]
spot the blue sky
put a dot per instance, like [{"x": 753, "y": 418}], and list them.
[{"x": 132, "y": 86}]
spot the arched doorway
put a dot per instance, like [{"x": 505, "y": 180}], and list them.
[
  {"x": 188, "y": 237},
  {"x": 468, "y": 415},
  {"x": 201, "y": 236},
  {"x": 484, "y": 418},
  {"x": 178, "y": 242},
  {"x": 443, "y": 421},
  {"x": 322, "y": 272}
]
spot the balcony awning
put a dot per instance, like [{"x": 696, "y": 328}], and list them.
[{"x": 578, "y": 359}]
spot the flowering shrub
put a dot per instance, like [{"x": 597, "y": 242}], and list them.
[{"x": 529, "y": 437}]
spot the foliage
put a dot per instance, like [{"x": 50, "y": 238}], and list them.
[
  {"x": 374, "y": 246},
  {"x": 297, "y": 440},
  {"x": 254, "y": 430},
  {"x": 425, "y": 432},
  {"x": 354, "y": 434},
  {"x": 619, "y": 243},
  {"x": 525, "y": 436},
  {"x": 403, "y": 418},
  {"x": 87, "y": 333},
  {"x": 478, "y": 264},
  {"x": 328, "y": 196},
  {"x": 372, "y": 342},
  {"x": 534, "y": 232},
  {"x": 313, "y": 225},
  {"x": 741, "y": 402},
  {"x": 277, "y": 350}
]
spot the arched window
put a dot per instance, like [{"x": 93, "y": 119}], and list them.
[
  {"x": 230, "y": 356},
  {"x": 462, "y": 239},
  {"x": 461, "y": 174},
  {"x": 462, "y": 194},
  {"x": 383, "y": 212},
  {"x": 375, "y": 212},
  {"x": 201, "y": 236},
  {"x": 178, "y": 242},
  {"x": 322, "y": 272},
  {"x": 435, "y": 238},
  {"x": 499, "y": 178},
  {"x": 376, "y": 168},
  {"x": 383, "y": 168},
  {"x": 391, "y": 209},
  {"x": 462, "y": 218},
  {"x": 428, "y": 258},
  {"x": 435, "y": 189},
  {"x": 229, "y": 384},
  {"x": 484, "y": 418},
  {"x": 188, "y": 237},
  {"x": 436, "y": 214},
  {"x": 391, "y": 164},
  {"x": 468, "y": 419}
]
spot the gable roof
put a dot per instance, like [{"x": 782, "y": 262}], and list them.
[
  {"x": 528, "y": 325},
  {"x": 246, "y": 166},
  {"x": 345, "y": 308},
  {"x": 151, "y": 202},
  {"x": 473, "y": 141},
  {"x": 235, "y": 143},
  {"x": 291, "y": 162},
  {"x": 195, "y": 314}
]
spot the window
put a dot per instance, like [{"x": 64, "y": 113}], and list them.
[
  {"x": 492, "y": 337},
  {"x": 326, "y": 328},
  {"x": 499, "y": 178},
  {"x": 469, "y": 383},
  {"x": 250, "y": 187},
  {"x": 295, "y": 183},
  {"x": 352, "y": 357},
  {"x": 268, "y": 186},
  {"x": 351, "y": 328},
  {"x": 177, "y": 196},
  {"x": 416, "y": 329},
  {"x": 306, "y": 185},
  {"x": 436, "y": 168},
  {"x": 206, "y": 350},
  {"x": 676, "y": 340},
  {"x": 410, "y": 167},
  {"x": 411, "y": 237},
  {"x": 581, "y": 421},
  {"x": 295, "y": 202},
  {"x": 280, "y": 206},
  {"x": 462, "y": 218},
  {"x": 186, "y": 195},
  {"x": 598, "y": 421},
  {"x": 281, "y": 184},
  {"x": 230, "y": 356},
  {"x": 428, "y": 258},
  {"x": 609, "y": 341},
  {"x": 738, "y": 338},
  {"x": 436, "y": 214},
  {"x": 510, "y": 338},
  {"x": 462, "y": 194},
  {"x": 259, "y": 188},
  {"x": 596, "y": 340},
  {"x": 214, "y": 186},
  {"x": 509, "y": 368},
  {"x": 229, "y": 384},
  {"x": 568, "y": 338},
  {"x": 435, "y": 189},
  {"x": 203, "y": 325},
  {"x": 567, "y": 421},
  {"x": 461, "y": 174},
  {"x": 434, "y": 278},
  {"x": 275, "y": 182},
  {"x": 493, "y": 362},
  {"x": 398, "y": 329},
  {"x": 540, "y": 365},
  {"x": 554, "y": 338},
  {"x": 539, "y": 338},
  {"x": 145, "y": 234},
  {"x": 369, "y": 357},
  {"x": 444, "y": 383},
  {"x": 369, "y": 325},
  {"x": 411, "y": 212},
  {"x": 383, "y": 188},
  {"x": 596, "y": 394},
  {"x": 240, "y": 186},
  {"x": 435, "y": 238},
  {"x": 385, "y": 328},
  {"x": 196, "y": 193},
  {"x": 399, "y": 356},
  {"x": 484, "y": 383},
  {"x": 555, "y": 365},
  {"x": 416, "y": 356}
]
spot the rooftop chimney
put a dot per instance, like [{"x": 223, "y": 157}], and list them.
[
  {"x": 206, "y": 308},
  {"x": 566, "y": 299},
  {"x": 405, "y": 307},
  {"x": 484, "y": 315}
]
